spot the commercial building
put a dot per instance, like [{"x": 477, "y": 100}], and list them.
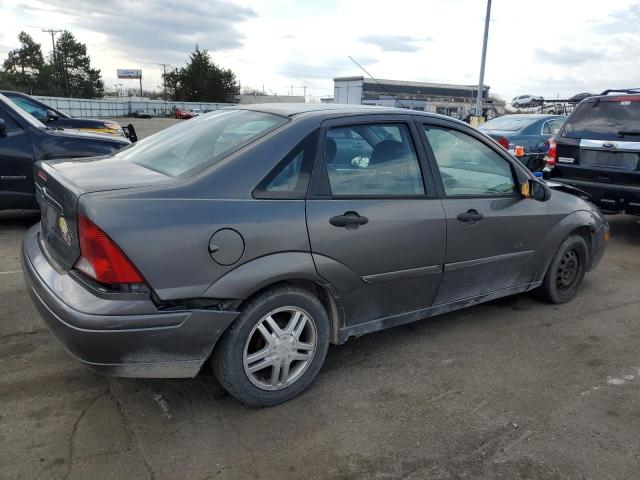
[{"x": 447, "y": 99}]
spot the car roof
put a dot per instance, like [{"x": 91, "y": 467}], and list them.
[{"x": 291, "y": 110}]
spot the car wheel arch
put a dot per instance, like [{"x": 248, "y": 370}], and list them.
[
  {"x": 275, "y": 270},
  {"x": 580, "y": 222}
]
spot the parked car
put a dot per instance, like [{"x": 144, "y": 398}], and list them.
[
  {"x": 25, "y": 140},
  {"x": 531, "y": 132},
  {"x": 184, "y": 113},
  {"x": 598, "y": 151},
  {"x": 526, "y": 101},
  {"x": 578, "y": 97},
  {"x": 58, "y": 119},
  {"x": 245, "y": 238},
  {"x": 142, "y": 114}
]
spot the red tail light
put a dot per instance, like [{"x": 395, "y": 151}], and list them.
[
  {"x": 504, "y": 141},
  {"x": 552, "y": 154},
  {"x": 100, "y": 258}
]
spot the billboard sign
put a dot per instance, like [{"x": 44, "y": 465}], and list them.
[{"x": 129, "y": 73}]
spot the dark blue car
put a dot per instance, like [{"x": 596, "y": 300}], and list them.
[{"x": 531, "y": 132}]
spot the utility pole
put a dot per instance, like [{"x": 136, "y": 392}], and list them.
[
  {"x": 53, "y": 48},
  {"x": 304, "y": 87},
  {"x": 164, "y": 78},
  {"x": 482, "y": 61}
]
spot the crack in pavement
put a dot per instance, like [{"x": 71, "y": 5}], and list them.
[
  {"x": 131, "y": 435},
  {"x": 74, "y": 431}
]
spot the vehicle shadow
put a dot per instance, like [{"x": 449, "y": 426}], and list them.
[{"x": 19, "y": 218}]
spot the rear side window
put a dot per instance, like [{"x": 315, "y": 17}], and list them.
[
  {"x": 290, "y": 178},
  {"x": 610, "y": 119},
  {"x": 372, "y": 160},
  {"x": 193, "y": 145}
]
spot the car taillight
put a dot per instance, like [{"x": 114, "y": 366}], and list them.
[
  {"x": 552, "y": 154},
  {"x": 100, "y": 258},
  {"x": 504, "y": 141}
]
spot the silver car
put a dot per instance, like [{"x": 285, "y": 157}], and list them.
[{"x": 251, "y": 238}]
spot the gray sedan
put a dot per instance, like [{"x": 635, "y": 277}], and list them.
[{"x": 252, "y": 238}]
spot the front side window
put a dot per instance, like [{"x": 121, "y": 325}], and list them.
[
  {"x": 9, "y": 124},
  {"x": 372, "y": 160},
  {"x": 468, "y": 166},
  {"x": 189, "y": 147}
]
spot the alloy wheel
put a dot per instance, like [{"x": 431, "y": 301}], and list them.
[{"x": 280, "y": 348}]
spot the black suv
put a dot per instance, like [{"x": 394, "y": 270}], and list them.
[
  {"x": 598, "y": 151},
  {"x": 25, "y": 140}
]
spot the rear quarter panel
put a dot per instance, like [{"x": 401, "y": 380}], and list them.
[{"x": 165, "y": 231}]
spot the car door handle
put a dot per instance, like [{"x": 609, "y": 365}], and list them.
[
  {"x": 349, "y": 219},
  {"x": 470, "y": 216}
]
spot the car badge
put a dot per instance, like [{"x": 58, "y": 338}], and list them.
[
  {"x": 608, "y": 145},
  {"x": 64, "y": 230}
]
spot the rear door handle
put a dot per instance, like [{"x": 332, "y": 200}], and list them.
[
  {"x": 348, "y": 220},
  {"x": 470, "y": 216}
]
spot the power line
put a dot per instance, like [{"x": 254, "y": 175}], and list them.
[{"x": 379, "y": 84}]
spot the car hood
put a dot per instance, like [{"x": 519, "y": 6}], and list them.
[{"x": 79, "y": 134}]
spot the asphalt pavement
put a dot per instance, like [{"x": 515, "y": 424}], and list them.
[{"x": 511, "y": 389}]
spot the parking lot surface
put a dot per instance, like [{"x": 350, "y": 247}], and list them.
[{"x": 512, "y": 389}]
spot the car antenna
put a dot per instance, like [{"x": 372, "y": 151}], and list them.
[
  {"x": 379, "y": 84},
  {"x": 274, "y": 94}
]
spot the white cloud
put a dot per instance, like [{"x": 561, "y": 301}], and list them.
[{"x": 548, "y": 48}]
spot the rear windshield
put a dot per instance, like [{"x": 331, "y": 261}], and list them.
[
  {"x": 507, "y": 123},
  {"x": 605, "y": 120},
  {"x": 197, "y": 143}
]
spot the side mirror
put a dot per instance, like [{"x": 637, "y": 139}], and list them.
[
  {"x": 51, "y": 115},
  {"x": 535, "y": 190},
  {"x": 3, "y": 127}
]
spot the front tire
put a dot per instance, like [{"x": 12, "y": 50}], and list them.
[
  {"x": 275, "y": 348},
  {"x": 566, "y": 271}
]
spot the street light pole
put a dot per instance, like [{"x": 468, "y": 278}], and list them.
[{"x": 484, "y": 57}]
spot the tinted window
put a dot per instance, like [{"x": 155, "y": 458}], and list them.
[
  {"x": 468, "y": 166},
  {"x": 189, "y": 147},
  {"x": 381, "y": 162},
  {"x": 604, "y": 120},
  {"x": 290, "y": 178},
  {"x": 9, "y": 124},
  {"x": 30, "y": 107}
]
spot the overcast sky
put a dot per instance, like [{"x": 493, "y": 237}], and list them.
[{"x": 546, "y": 47}]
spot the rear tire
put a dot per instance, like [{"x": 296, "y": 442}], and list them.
[
  {"x": 566, "y": 271},
  {"x": 275, "y": 348}
]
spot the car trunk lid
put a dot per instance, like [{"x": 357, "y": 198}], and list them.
[{"x": 59, "y": 186}]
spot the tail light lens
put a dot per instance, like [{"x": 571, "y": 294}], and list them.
[
  {"x": 504, "y": 141},
  {"x": 100, "y": 258},
  {"x": 552, "y": 154}
]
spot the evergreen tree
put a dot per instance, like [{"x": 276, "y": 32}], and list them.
[
  {"x": 23, "y": 65},
  {"x": 201, "y": 80}
]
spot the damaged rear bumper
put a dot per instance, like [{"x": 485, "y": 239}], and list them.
[{"x": 119, "y": 335}]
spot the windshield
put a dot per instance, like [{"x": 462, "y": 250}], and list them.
[
  {"x": 509, "y": 123},
  {"x": 189, "y": 147},
  {"x": 23, "y": 114},
  {"x": 605, "y": 120}
]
